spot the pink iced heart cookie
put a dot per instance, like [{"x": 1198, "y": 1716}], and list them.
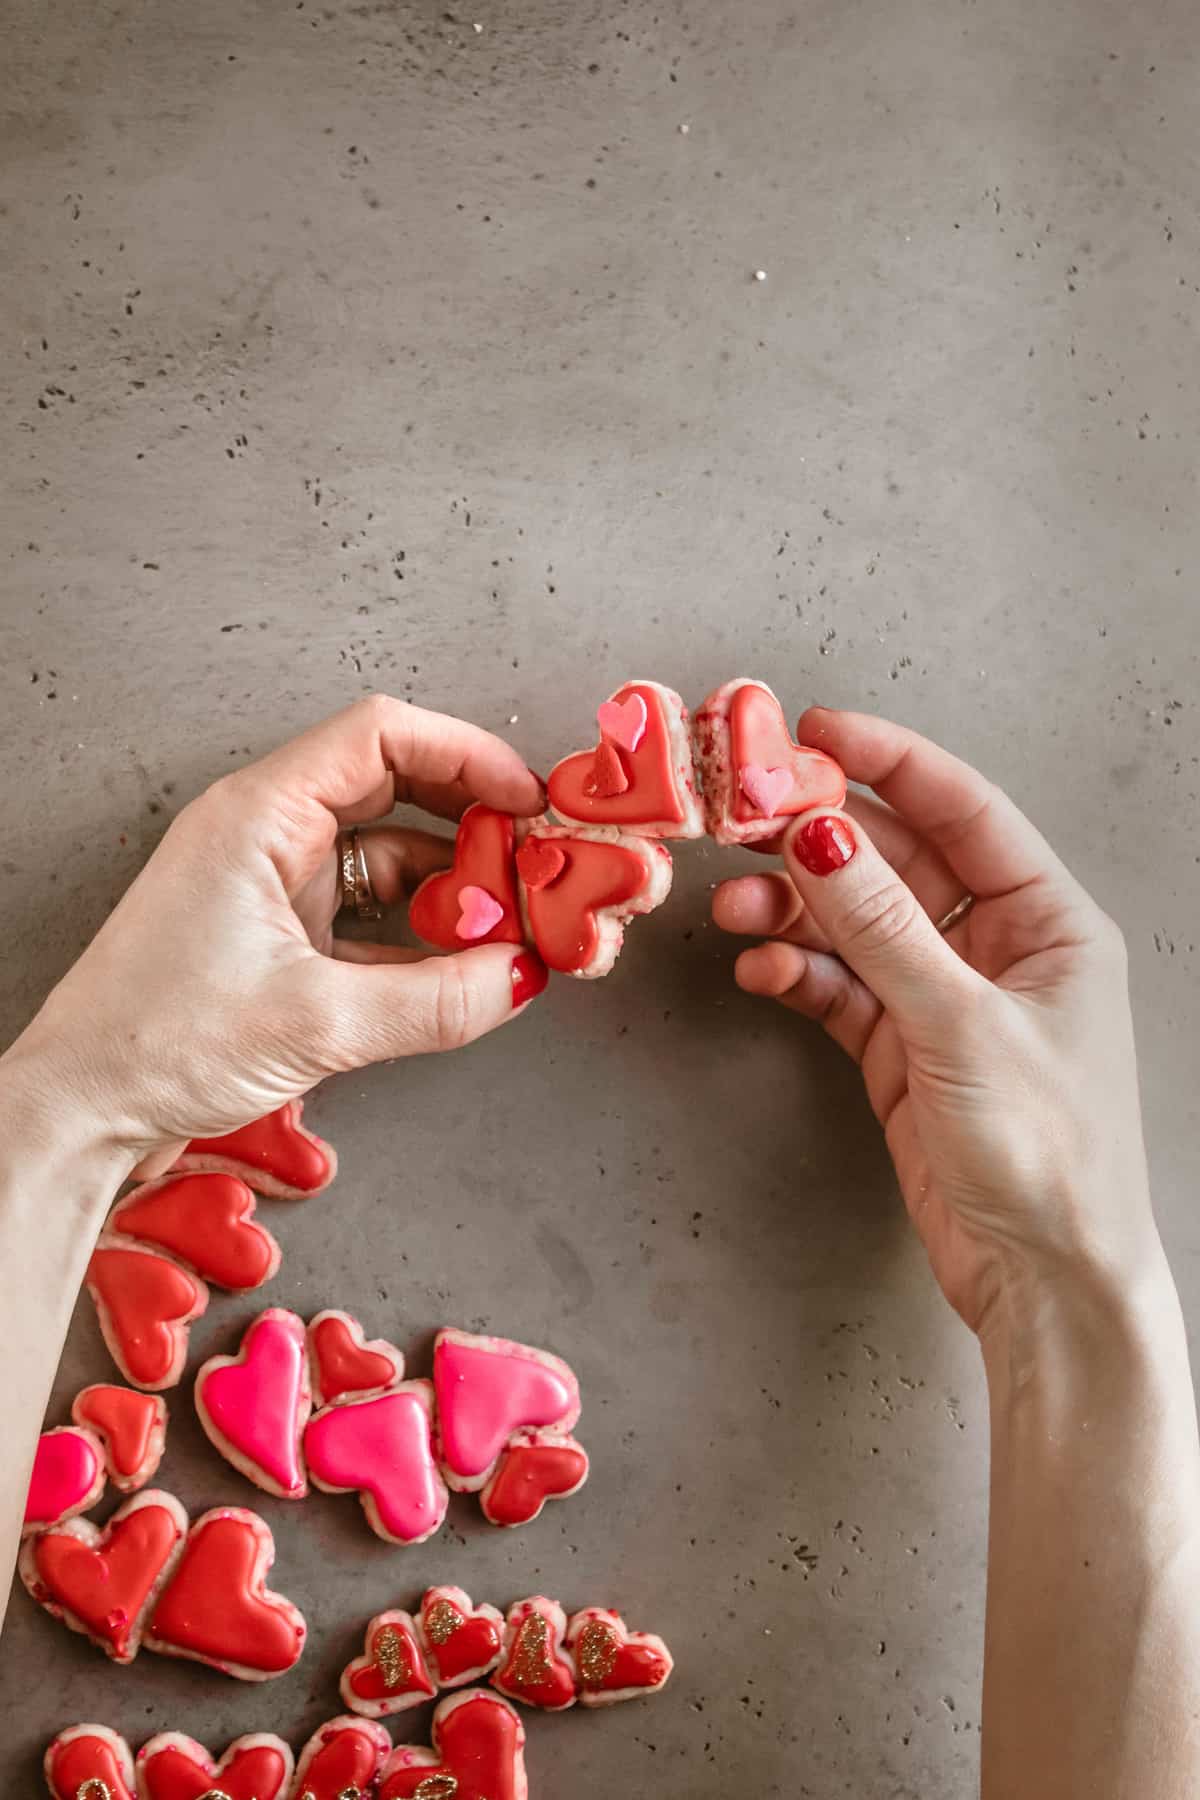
[
  {"x": 341, "y": 1759},
  {"x": 755, "y": 778},
  {"x": 68, "y": 1476},
  {"x": 641, "y": 775},
  {"x": 391, "y": 1674},
  {"x": 274, "y": 1155},
  {"x": 534, "y": 1668},
  {"x": 90, "y": 1760},
  {"x": 534, "y": 1466},
  {"x": 487, "y": 1389},
  {"x": 345, "y": 1365},
  {"x": 478, "y": 913},
  {"x": 623, "y": 722},
  {"x": 174, "y": 1767},
  {"x": 254, "y": 1406},
  {"x": 382, "y": 1449},
  {"x": 611, "y": 1662},
  {"x": 767, "y": 789}
]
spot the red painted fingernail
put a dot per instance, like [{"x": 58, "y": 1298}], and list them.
[
  {"x": 824, "y": 845},
  {"x": 529, "y": 977}
]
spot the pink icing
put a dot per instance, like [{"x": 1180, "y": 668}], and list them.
[
  {"x": 65, "y": 1468},
  {"x": 381, "y": 1447},
  {"x": 254, "y": 1403},
  {"x": 623, "y": 722},
  {"x": 478, "y": 912},
  {"x": 767, "y": 789},
  {"x": 485, "y": 1395}
]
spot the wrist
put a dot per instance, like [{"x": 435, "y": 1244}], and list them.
[{"x": 57, "y": 1111}]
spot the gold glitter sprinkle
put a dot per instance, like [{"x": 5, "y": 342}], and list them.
[
  {"x": 441, "y": 1622},
  {"x": 391, "y": 1655},
  {"x": 597, "y": 1653},
  {"x": 531, "y": 1663},
  {"x": 214, "y": 1794},
  {"x": 95, "y": 1789},
  {"x": 437, "y": 1787}
]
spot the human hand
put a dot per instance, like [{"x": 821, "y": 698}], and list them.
[
  {"x": 216, "y": 990},
  {"x": 999, "y": 1059}
]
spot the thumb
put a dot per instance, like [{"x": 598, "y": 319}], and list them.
[
  {"x": 877, "y": 926},
  {"x": 384, "y": 1008}
]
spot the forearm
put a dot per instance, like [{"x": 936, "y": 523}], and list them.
[{"x": 1092, "y": 1677}]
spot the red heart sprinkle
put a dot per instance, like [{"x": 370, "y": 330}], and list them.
[{"x": 540, "y": 862}]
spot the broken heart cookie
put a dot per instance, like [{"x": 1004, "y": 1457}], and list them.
[
  {"x": 475, "y": 902},
  {"x": 579, "y": 890},
  {"x": 534, "y": 1466},
  {"x": 254, "y": 1406},
  {"x": 343, "y": 1364},
  {"x": 533, "y": 1666},
  {"x": 487, "y": 1389},
  {"x": 612, "y": 1663},
  {"x": 68, "y": 1477},
  {"x": 89, "y": 1762},
  {"x": 275, "y": 1155},
  {"x": 104, "y": 1582},
  {"x": 382, "y": 1449},
  {"x": 478, "y": 1754},
  {"x": 216, "y": 1607},
  {"x": 132, "y": 1427},
  {"x": 640, "y": 776},
  {"x": 145, "y": 1304},
  {"x": 755, "y": 778},
  {"x": 462, "y": 1642},
  {"x": 391, "y": 1674},
  {"x": 205, "y": 1222},
  {"x": 174, "y": 1767},
  {"x": 341, "y": 1759}
]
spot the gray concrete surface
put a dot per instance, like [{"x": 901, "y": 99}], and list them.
[{"x": 348, "y": 346}]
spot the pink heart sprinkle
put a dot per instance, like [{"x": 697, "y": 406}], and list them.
[
  {"x": 480, "y": 911},
  {"x": 623, "y": 722},
  {"x": 766, "y": 789}
]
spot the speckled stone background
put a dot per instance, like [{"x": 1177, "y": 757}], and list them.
[{"x": 350, "y": 346}]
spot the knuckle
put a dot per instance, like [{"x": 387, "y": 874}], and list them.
[
  {"x": 456, "y": 1008},
  {"x": 880, "y": 919}
]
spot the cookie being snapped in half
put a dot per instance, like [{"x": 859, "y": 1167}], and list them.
[
  {"x": 640, "y": 777},
  {"x": 580, "y": 888},
  {"x": 475, "y": 902},
  {"x": 755, "y": 778},
  {"x": 89, "y": 1760},
  {"x": 275, "y": 1155}
]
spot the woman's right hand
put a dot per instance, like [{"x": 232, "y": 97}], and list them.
[{"x": 1000, "y": 1058}]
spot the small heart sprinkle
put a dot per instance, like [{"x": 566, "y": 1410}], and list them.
[
  {"x": 767, "y": 789},
  {"x": 540, "y": 862},
  {"x": 623, "y": 722},
  {"x": 479, "y": 912},
  {"x": 607, "y": 777}
]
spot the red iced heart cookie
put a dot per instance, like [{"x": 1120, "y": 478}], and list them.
[
  {"x": 68, "y": 1476},
  {"x": 535, "y": 1466},
  {"x": 390, "y": 1675},
  {"x": 382, "y": 1449},
  {"x": 132, "y": 1427},
  {"x": 343, "y": 1364},
  {"x": 254, "y": 1406},
  {"x": 755, "y": 777},
  {"x": 540, "y": 861},
  {"x": 483, "y": 861},
  {"x": 533, "y": 1668},
  {"x": 145, "y": 1304},
  {"x": 341, "y": 1758},
  {"x": 174, "y": 1767},
  {"x": 204, "y": 1220},
  {"x": 462, "y": 1642},
  {"x": 89, "y": 1762},
  {"x": 487, "y": 1388},
  {"x": 478, "y": 1754},
  {"x": 103, "y": 1583},
  {"x": 640, "y": 775},
  {"x": 276, "y": 1155},
  {"x": 577, "y": 915},
  {"x": 216, "y": 1608},
  {"x": 612, "y": 1663}
]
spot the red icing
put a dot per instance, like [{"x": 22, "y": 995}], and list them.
[
  {"x": 206, "y": 1220},
  {"x": 105, "y": 1586},
  {"x": 276, "y": 1146},
  {"x": 73, "y": 1764},
  {"x": 758, "y": 736},
  {"x": 345, "y": 1366},
  {"x": 555, "y": 1688},
  {"x": 478, "y": 1743},
  {"x": 257, "y": 1772},
  {"x": 348, "y": 1757},
  {"x": 562, "y": 914},
  {"x": 483, "y": 857},
  {"x": 368, "y": 1680},
  {"x": 637, "y": 1663},
  {"x": 651, "y": 793},
  {"x": 474, "y": 1645},
  {"x": 529, "y": 1473},
  {"x": 607, "y": 777},
  {"x": 126, "y": 1420},
  {"x": 149, "y": 1303},
  {"x": 215, "y": 1607}
]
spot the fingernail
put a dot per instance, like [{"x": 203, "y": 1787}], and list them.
[
  {"x": 529, "y": 977},
  {"x": 824, "y": 845}
]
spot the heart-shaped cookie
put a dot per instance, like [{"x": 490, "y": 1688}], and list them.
[
  {"x": 216, "y": 1608},
  {"x": 89, "y": 1762},
  {"x": 611, "y": 1662},
  {"x": 483, "y": 866},
  {"x": 478, "y": 1754},
  {"x": 206, "y": 1221},
  {"x": 68, "y": 1477},
  {"x": 462, "y": 1642},
  {"x": 132, "y": 1427},
  {"x": 534, "y": 1466},
  {"x": 254, "y": 1406},
  {"x": 103, "y": 1582},
  {"x": 640, "y": 776},
  {"x": 391, "y": 1674},
  {"x": 577, "y": 916},
  {"x": 343, "y": 1364},
  {"x": 533, "y": 1668},
  {"x": 487, "y": 1388},
  {"x": 755, "y": 778},
  {"x": 341, "y": 1758},
  {"x": 382, "y": 1449},
  {"x": 174, "y": 1767},
  {"x": 275, "y": 1155},
  {"x": 145, "y": 1304}
]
